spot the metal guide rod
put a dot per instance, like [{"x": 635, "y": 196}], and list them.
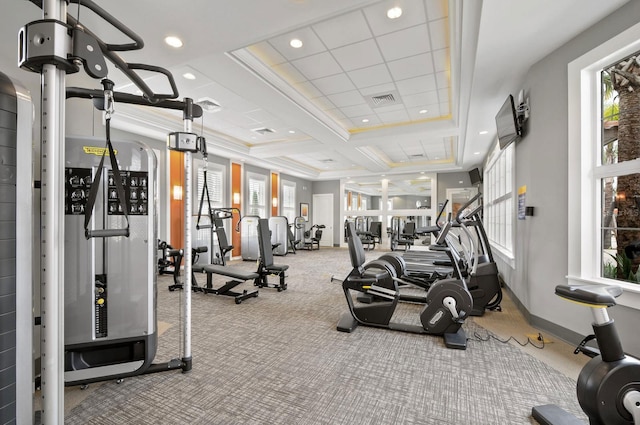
[
  {"x": 52, "y": 230},
  {"x": 188, "y": 123}
]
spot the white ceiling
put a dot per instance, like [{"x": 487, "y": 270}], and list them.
[{"x": 455, "y": 60}]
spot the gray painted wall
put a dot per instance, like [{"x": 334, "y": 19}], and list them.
[
  {"x": 332, "y": 187},
  {"x": 541, "y": 165},
  {"x": 450, "y": 181}
]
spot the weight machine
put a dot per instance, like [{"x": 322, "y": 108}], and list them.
[{"x": 53, "y": 47}]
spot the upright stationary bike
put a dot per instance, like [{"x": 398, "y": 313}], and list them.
[{"x": 609, "y": 385}]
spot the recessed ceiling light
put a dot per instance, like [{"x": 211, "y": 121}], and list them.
[
  {"x": 394, "y": 13},
  {"x": 189, "y": 76},
  {"x": 437, "y": 157},
  {"x": 423, "y": 111},
  {"x": 295, "y": 43},
  {"x": 461, "y": 181},
  {"x": 365, "y": 120},
  {"x": 476, "y": 153},
  {"x": 173, "y": 41},
  {"x": 421, "y": 172},
  {"x": 484, "y": 132},
  {"x": 292, "y": 131}
]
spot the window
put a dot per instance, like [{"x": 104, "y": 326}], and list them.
[
  {"x": 619, "y": 190},
  {"x": 288, "y": 199},
  {"x": 215, "y": 185},
  {"x": 604, "y": 227},
  {"x": 499, "y": 201},
  {"x": 257, "y": 195}
]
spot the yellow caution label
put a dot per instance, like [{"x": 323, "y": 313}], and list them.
[{"x": 95, "y": 150}]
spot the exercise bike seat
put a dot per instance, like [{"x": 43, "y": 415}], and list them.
[{"x": 593, "y": 295}]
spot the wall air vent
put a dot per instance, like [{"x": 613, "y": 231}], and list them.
[
  {"x": 383, "y": 99},
  {"x": 264, "y": 131}
]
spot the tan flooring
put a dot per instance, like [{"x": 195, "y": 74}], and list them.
[{"x": 511, "y": 323}]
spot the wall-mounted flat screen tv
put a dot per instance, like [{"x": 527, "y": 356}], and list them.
[
  {"x": 507, "y": 123},
  {"x": 475, "y": 177}
]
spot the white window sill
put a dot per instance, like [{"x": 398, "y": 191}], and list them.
[
  {"x": 505, "y": 256},
  {"x": 630, "y": 296}
]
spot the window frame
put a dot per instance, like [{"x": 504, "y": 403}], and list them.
[
  {"x": 585, "y": 170},
  {"x": 495, "y": 198},
  {"x": 262, "y": 204},
  {"x": 285, "y": 207}
]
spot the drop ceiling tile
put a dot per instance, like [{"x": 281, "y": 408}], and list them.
[
  {"x": 409, "y": 42},
  {"x": 389, "y": 108},
  {"x": 371, "y": 76},
  {"x": 324, "y": 103},
  {"x": 358, "y": 55},
  {"x": 442, "y": 78},
  {"x": 333, "y": 84},
  {"x": 343, "y": 30},
  {"x": 336, "y": 113},
  {"x": 263, "y": 117},
  {"x": 362, "y": 110},
  {"x": 346, "y": 123},
  {"x": 373, "y": 121},
  {"x": 412, "y": 14},
  {"x": 267, "y": 53},
  {"x": 289, "y": 73},
  {"x": 311, "y": 44},
  {"x": 415, "y": 85},
  {"x": 411, "y": 66},
  {"x": 394, "y": 116},
  {"x": 443, "y": 94},
  {"x": 432, "y": 112},
  {"x": 421, "y": 100},
  {"x": 436, "y": 9},
  {"x": 308, "y": 90},
  {"x": 383, "y": 88},
  {"x": 441, "y": 59},
  {"x": 318, "y": 66},
  {"x": 438, "y": 32},
  {"x": 349, "y": 98},
  {"x": 241, "y": 120}
]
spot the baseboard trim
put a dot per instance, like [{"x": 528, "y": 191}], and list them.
[{"x": 559, "y": 332}]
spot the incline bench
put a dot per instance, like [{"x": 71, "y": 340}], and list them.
[{"x": 237, "y": 277}]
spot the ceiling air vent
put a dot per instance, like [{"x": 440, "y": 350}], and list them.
[
  {"x": 208, "y": 105},
  {"x": 264, "y": 131},
  {"x": 327, "y": 161},
  {"x": 383, "y": 99},
  {"x": 416, "y": 155}
]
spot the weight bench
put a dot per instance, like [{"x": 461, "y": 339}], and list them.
[
  {"x": 237, "y": 277},
  {"x": 266, "y": 266}
]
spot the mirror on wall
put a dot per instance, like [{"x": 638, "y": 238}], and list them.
[{"x": 403, "y": 191}]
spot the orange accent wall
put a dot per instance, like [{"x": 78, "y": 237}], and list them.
[
  {"x": 274, "y": 194},
  {"x": 176, "y": 207},
  {"x": 236, "y": 187}
]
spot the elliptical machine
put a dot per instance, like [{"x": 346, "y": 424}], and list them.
[
  {"x": 448, "y": 301},
  {"x": 608, "y": 386}
]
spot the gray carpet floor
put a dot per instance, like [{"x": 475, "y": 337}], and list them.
[{"x": 278, "y": 359}]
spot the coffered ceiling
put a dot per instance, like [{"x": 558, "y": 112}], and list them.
[{"x": 364, "y": 95}]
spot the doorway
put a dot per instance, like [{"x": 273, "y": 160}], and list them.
[
  {"x": 458, "y": 197},
  {"x": 322, "y": 213}
]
